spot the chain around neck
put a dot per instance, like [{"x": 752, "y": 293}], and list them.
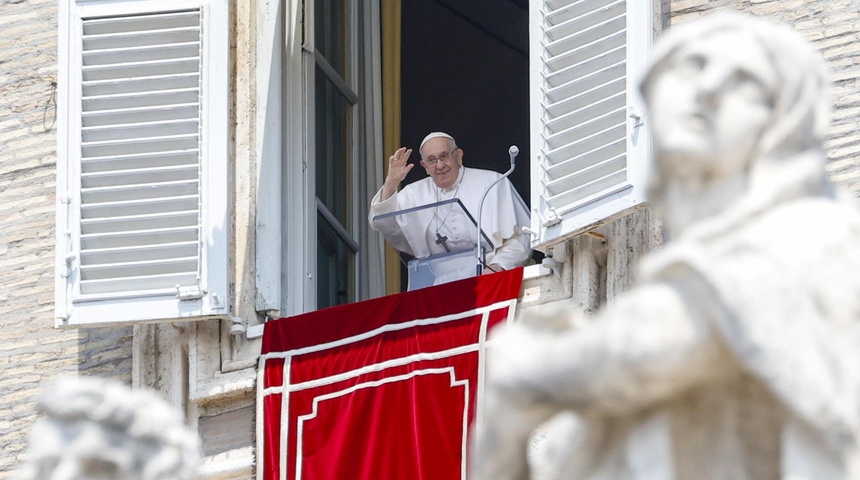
[{"x": 450, "y": 207}]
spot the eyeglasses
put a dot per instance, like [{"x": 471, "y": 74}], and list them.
[{"x": 431, "y": 162}]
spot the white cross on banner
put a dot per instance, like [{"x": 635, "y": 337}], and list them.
[{"x": 381, "y": 389}]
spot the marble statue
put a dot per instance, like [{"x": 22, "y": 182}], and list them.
[
  {"x": 95, "y": 429},
  {"x": 736, "y": 354}
]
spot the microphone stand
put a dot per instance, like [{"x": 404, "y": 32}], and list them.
[{"x": 480, "y": 254}]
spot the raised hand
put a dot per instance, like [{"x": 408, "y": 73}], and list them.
[{"x": 398, "y": 167}]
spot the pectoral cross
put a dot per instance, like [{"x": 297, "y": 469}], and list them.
[{"x": 440, "y": 240}]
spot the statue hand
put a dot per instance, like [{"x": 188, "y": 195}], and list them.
[{"x": 510, "y": 411}]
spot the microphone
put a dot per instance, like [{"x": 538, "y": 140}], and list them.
[{"x": 479, "y": 250}]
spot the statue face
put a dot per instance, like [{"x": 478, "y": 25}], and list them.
[
  {"x": 78, "y": 449},
  {"x": 710, "y": 104}
]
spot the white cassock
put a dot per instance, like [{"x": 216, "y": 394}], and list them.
[{"x": 415, "y": 233}]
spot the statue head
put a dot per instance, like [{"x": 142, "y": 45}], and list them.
[
  {"x": 732, "y": 95},
  {"x": 96, "y": 429}
]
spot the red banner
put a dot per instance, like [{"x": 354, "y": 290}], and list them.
[{"x": 380, "y": 389}]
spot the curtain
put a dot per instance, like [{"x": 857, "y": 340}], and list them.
[{"x": 382, "y": 389}]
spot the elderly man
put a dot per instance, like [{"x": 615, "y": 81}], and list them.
[
  {"x": 447, "y": 228},
  {"x": 735, "y": 356}
]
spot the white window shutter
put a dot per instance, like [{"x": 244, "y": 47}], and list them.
[
  {"x": 589, "y": 141},
  {"x": 142, "y": 161}
]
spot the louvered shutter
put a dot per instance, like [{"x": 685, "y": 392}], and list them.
[
  {"x": 589, "y": 143},
  {"x": 142, "y": 169}
]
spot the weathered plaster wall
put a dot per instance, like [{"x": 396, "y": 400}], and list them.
[
  {"x": 595, "y": 267},
  {"x": 833, "y": 27},
  {"x": 199, "y": 367},
  {"x": 32, "y": 353}
]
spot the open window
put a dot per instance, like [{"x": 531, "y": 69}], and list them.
[
  {"x": 142, "y": 161},
  {"x": 553, "y": 77}
]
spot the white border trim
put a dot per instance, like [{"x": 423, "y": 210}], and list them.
[
  {"x": 393, "y": 328},
  {"x": 285, "y": 414},
  {"x": 260, "y": 426},
  {"x": 375, "y": 383}
]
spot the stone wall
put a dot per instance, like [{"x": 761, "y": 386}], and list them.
[
  {"x": 833, "y": 26},
  {"x": 32, "y": 352}
]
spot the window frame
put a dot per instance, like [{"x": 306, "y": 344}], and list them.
[
  {"x": 286, "y": 221},
  {"x": 315, "y": 62}
]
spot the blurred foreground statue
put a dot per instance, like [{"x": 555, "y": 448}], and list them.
[
  {"x": 737, "y": 353},
  {"x": 96, "y": 429}
]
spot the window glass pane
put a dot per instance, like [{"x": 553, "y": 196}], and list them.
[
  {"x": 333, "y": 150},
  {"x": 331, "y": 20},
  {"x": 335, "y": 267}
]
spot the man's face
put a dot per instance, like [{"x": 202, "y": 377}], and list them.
[
  {"x": 711, "y": 104},
  {"x": 448, "y": 161}
]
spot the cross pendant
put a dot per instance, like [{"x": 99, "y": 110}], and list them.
[{"x": 440, "y": 240}]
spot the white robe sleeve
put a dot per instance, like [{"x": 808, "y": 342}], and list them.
[
  {"x": 512, "y": 253},
  {"x": 505, "y": 222},
  {"x": 388, "y": 227}
]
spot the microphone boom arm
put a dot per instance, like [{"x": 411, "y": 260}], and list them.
[{"x": 513, "y": 151}]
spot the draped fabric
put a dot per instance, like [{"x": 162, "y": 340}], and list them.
[{"x": 381, "y": 389}]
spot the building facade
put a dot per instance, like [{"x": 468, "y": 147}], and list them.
[{"x": 293, "y": 106}]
